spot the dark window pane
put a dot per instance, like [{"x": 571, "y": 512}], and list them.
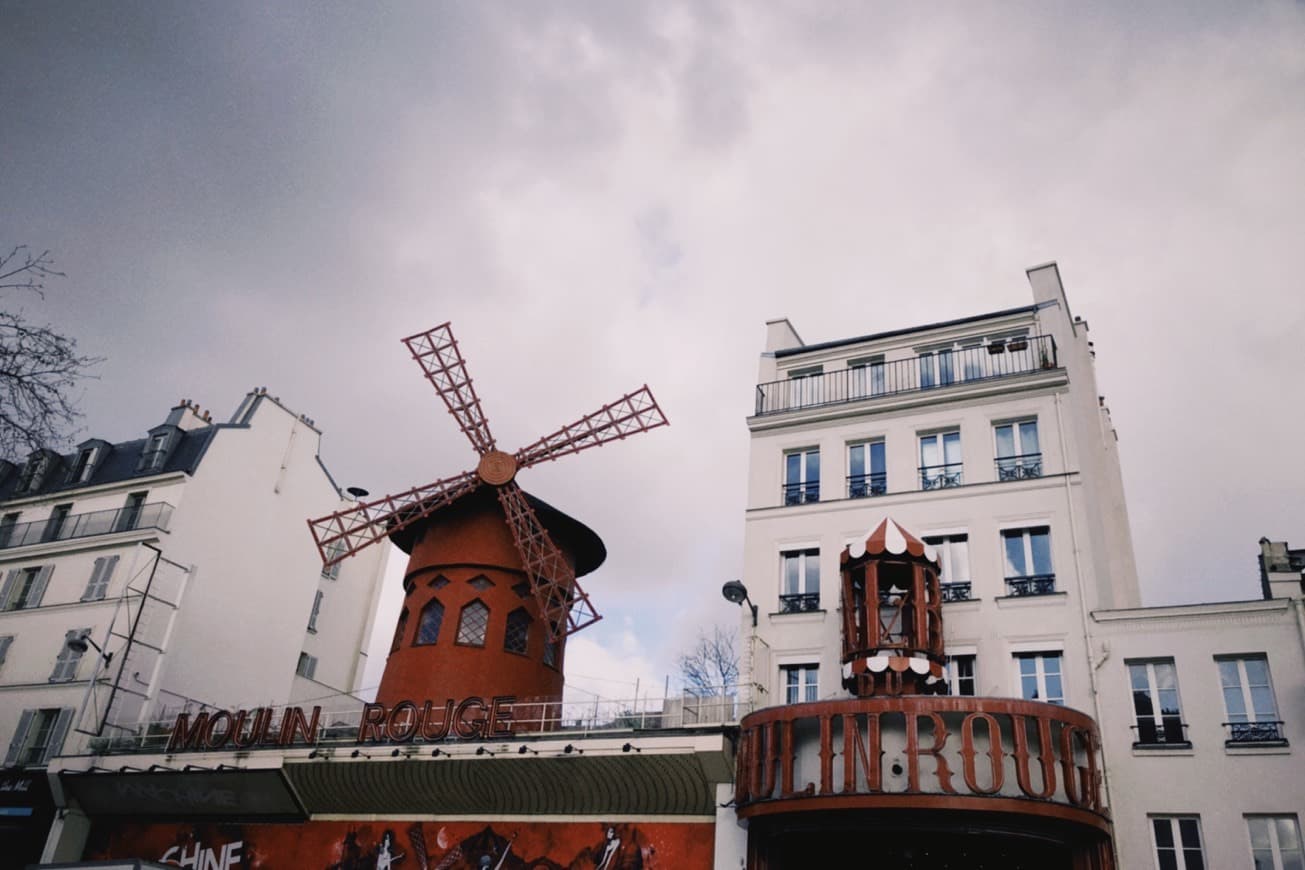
[
  {"x": 432, "y": 616},
  {"x": 518, "y": 632}
]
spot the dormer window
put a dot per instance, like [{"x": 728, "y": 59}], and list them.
[
  {"x": 157, "y": 448},
  {"x": 88, "y": 458},
  {"x": 36, "y": 470}
]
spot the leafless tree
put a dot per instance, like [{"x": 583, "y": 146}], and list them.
[
  {"x": 711, "y": 666},
  {"x": 39, "y": 367}
]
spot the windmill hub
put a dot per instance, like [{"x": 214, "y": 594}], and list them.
[{"x": 497, "y": 468}]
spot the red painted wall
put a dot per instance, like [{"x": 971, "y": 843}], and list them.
[
  {"x": 408, "y": 845},
  {"x": 465, "y": 546}
]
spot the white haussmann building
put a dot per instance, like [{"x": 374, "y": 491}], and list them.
[
  {"x": 147, "y": 577},
  {"x": 986, "y": 437}
]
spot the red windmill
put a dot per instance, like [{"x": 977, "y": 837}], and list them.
[{"x": 563, "y": 607}]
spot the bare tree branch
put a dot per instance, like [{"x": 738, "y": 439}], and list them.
[
  {"x": 39, "y": 367},
  {"x": 711, "y": 666}
]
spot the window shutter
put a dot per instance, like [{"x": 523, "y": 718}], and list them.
[
  {"x": 8, "y": 587},
  {"x": 20, "y": 737},
  {"x": 4, "y": 647},
  {"x": 65, "y": 659},
  {"x": 38, "y": 588},
  {"x": 57, "y": 734},
  {"x": 93, "y": 584}
]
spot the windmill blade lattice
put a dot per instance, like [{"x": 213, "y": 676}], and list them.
[
  {"x": 436, "y": 351},
  {"x": 563, "y": 605}
]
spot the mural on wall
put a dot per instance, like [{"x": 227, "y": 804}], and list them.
[{"x": 406, "y": 845}]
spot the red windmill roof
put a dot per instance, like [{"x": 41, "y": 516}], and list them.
[{"x": 888, "y": 537}]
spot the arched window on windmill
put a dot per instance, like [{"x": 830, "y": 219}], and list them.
[
  {"x": 473, "y": 623},
  {"x": 399, "y": 629},
  {"x": 516, "y": 639},
  {"x": 428, "y": 626}
]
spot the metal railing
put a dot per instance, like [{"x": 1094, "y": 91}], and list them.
[
  {"x": 1034, "y": 584},
  {"x": 959, "y": 591},
  {"x": 154, "y": 515},
  {"x": 599, "y": 716},
  {"x": 802, "y": 492},
  {"x": 940, "y": 476},
  {"x": 929, "y": 371},
  {"x": 1170, "y": 731},
  {"x": 1268, "y": 731},
  {"x": 800, "y": 603},
  {"x": 1019, "y": 467},
  {"x": 863, "y": 485}
]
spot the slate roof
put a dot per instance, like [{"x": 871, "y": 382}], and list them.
[{"x": 119, "y": 465}]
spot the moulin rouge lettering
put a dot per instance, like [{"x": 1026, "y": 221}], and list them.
[
  {"x": 469, "y": 718},
  {"x": 1045, "y": 763}
]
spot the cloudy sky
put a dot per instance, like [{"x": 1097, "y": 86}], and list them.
[{"x": 602, "y": 195}]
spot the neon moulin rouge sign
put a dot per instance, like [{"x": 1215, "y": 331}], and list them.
[{"x": 405, "y": 722}]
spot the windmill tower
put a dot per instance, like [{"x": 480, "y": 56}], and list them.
[{"x": 490, "y": 591}]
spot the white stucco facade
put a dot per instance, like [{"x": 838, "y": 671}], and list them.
[
  {"x": 199, "y": 577},
  {"x": 1041, "y": 537}
]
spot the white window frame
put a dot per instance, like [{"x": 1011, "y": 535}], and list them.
[
  {"x": 803, "y": 484},
  {"x": 14, "y": 584},
  {"x": 803, "y": 555},
  {"x": 953, "y": 678},
  {"x": 941, "y": 475},
  {"x": 1023, "y": 463},
  {"x": 1039, "y": 656},
  {"x": 867, "y": 376},
  {"x": 1153, "y": 692},
  {"x": 807, "y": 684},
  {"x": 945, "y": 544},
  {"x": 1276, "y": 849},
  {"x": 806, "y": 386},
  {"x": 24, "y": 739},
  {"x": 868, "y": 484},
  {"x": 1179, "y": 849}
]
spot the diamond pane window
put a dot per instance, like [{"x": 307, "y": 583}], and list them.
[
  {"x": 472, "y": 625},
  {"x": 480, "y": 584},
  {"x": 517, "y": 636}
]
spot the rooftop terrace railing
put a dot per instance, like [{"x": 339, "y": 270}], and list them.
[
  {"x": 155, "y": 515},
  {"x": 927, "y": 371}
]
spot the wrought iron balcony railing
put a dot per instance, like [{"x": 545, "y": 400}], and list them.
[
  {"x": 940, "y": 476},
  {"x": 1019, "y": 467},
  {"x": 155, "y": 515},
  {"x": 956, "y": 591},
  {"x": 1262, "y": 733},
  {"x": 802, "y": 492},
  {"x": 928, "y": 371},
  {"x": 1034, "y": 584},
  {"x": 803, "y": 603},
  {"x": 863, "y": 485},
  {"x": 1169, "y": 732}
]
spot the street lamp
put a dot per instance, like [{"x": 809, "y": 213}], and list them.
[
  {"x": 736, "y": 593},
  {"x": 83, "y": 642}
]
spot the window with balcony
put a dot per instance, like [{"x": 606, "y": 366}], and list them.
[
  {"x": 1276, "y": 842},
  {"x": 473, "y": 623},
  {"x": 806, "y": 387},
  {"x": 39, "y": 736},
  {"x": 1178, "y": 842},
  {"x": 802, "y": 476},
  {"x": 307, "y": 666},
  {"x": 1028, "y": 561},
  {"x": 954, "y": 561},
  {"x": 1156, "y": 710},
  {"x": 799, "y": 590},
  {"x": 1249, "y": 701},
  {"x": 962, "y": 674},
  {"x": 866, "y": 377},
  {"x": 428, "y": 627},
  {"x": 55, "y": 526},
  {"x": 7, "y": 524},
  {"x": 1039, "y": 675},
  {"x": 65, "y": 664},
  {"x": 516, "y": 638},
  {"x": 940, "y": 460},
  {"x": 25, "y": 587},
  {"x": 1018, "y": 454},
  {"x": 936, "y": 368},
  {"x": 801, "y": 683},
  {"x": 129, "y": 519},
  {"x": 101, "y": 573},
  {"x": 317, "y": 609},
  {"x": 867, "y": 472}
]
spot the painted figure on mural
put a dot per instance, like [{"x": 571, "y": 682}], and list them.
[{"x": 385, "y": 857}]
